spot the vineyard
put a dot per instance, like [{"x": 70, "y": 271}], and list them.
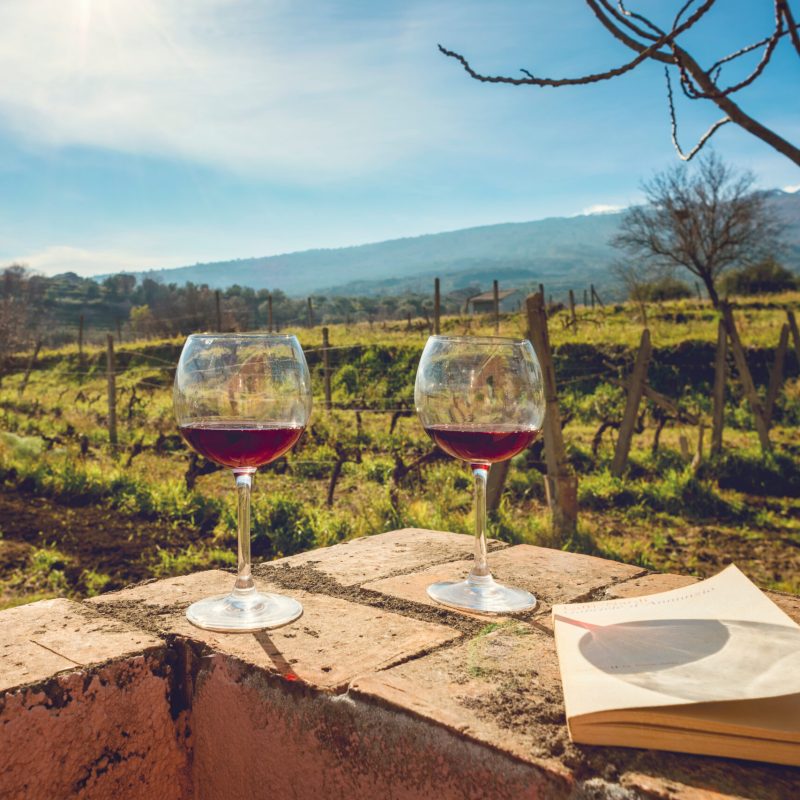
[{"x": 84, "y": 510}]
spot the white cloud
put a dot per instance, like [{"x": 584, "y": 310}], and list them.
[
  {"x": 792, "y": 189},
  {"x": 66, "y": 258},
  {"x": 242, "y": 85}
]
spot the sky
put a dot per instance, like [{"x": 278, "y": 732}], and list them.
[{"x": 163, "y": 133}]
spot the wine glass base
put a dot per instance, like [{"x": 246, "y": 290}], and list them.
[
  {"x": 243, "y": 612},
  {"x": 482, "y": 594}
]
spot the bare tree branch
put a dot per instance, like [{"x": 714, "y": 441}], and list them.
[
  {"x": 674, "y": 123},
  {"x": 649, "y": 42},
  {"x": 771, "y": 41},
  {"x": 790, "y": 23},
  {"x": 651, "y": 51}
]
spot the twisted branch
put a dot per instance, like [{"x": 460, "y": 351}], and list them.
[{"x": 695, "y": 82}]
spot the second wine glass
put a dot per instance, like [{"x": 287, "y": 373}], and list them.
[
  {"x": 481, "y": 400},
  {"x": 242, "y": 400}
]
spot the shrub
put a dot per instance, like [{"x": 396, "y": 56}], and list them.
[
  {"x": 193, "y": 558},
  {"x": 667, "y": 288},
  {"x": 750, "y": 472},
  {"x": 281, "y": 526},
  {"x": 603, "y": 491},
  {"x": 765, "y": 277}
]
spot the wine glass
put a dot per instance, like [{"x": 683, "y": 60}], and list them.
[
  {"x": 242, "y": 400},
  {"x": 480, "y": 399}
]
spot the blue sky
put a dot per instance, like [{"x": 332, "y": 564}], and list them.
[{"x": 160, "y": 133}]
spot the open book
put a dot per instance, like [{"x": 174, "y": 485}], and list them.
[{"x": 712, "y": 668}]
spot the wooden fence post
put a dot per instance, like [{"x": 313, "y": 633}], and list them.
[
  {"x": 217, "y": 301},
  {"x": 635, "y": 392},
  {"x": 591, "y": 294},
  {"x": 776, "y": 376},
  {"x": 80, "y": 341},
  {"x": 720, "y": 377},
  {"x": 745, "y": 377},
  {"x": 496, "y": 298},
  {"x": 562, "y": 487},
  {"x": 597, "y": 297},
  {"x": 112, "y": 391},
  {"x": 585, "y": 298},
  {"x": 326, "y": 368},
  {"x": 698, "y": 455},
  {"x": 572, "y": 316},
  {"x": 437, "y": 308},
  {"x": 795, "y": 333},
  {"x": 29, "y": 367},
  {"x": 495, "y": 483}
]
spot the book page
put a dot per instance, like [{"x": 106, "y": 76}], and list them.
[{"x": 720, "y": 639}]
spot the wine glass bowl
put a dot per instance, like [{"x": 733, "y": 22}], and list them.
[
  {"x": 480, "y": 399},
  {"x": 241, "y": 401}
]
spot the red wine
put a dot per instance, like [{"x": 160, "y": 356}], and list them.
[
  {"x": 482, "y": 445},
  {"x": 240, "y": 444}
]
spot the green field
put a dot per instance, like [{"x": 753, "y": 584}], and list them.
[{"x": 79, "y": 516}]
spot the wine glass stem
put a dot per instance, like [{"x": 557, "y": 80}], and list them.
[
  {"x": 481, "y": 473},
  {"x": 244, "y": 580}
]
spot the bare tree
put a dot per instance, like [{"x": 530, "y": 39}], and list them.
[
  {"x": 704, "y": 221},
  {"x": 650, "y": 42}
]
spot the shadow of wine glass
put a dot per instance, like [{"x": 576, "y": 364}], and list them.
[{"x": 697, "y": 659}]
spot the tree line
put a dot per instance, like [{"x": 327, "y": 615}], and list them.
[{"x": 36, "y": 308}]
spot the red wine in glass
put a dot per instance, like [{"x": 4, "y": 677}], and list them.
[
  {"x": 240, "y": 444},
  {"x": 494, "y": 387},
  {"x": 242, "y": 400},
  {"x": 482, "y": 444}
]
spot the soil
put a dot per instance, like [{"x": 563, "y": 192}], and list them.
[
  {"x": 770, "y": 558},
  {"x": 90, "y": 537}
]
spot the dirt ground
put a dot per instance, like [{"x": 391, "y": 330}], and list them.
[
  {"x": 90, "y": 537},
  {"x": 125, "y": 548}
]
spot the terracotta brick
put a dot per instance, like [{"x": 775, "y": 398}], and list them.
[
  {"x": 553, "y": 576},
  {"x": 106, "y": 733},
  {"x": 41, "y": 639},
  {"x": 495, "y": 688},
  {"x": 332, "y": 642},
  {"x": 253, "y": 740},
  {"x": 372, "y": 557}
]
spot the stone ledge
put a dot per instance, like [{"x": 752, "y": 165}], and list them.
[
  {"x": 39, "y": 640},
  {"x": 332, "y": 642},
  {"x": 553, "y": 576},
  {"x": 371, "y": 558},
  {"x": 372, "y": 693}
]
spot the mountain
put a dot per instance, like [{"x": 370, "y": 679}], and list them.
[{"x": 563, "y": 252}]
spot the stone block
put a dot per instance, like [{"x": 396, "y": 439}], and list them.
[
  {"x": 332, "y": 642},
  {"x": 553, "y": 576},
  {"x": 41, "y": 639},
  {"x": 86, "y": 708},
  {"x": 372, "y": 557},
  {"x": 253, "y": 740},
  {"x": 501, "y": 688}
]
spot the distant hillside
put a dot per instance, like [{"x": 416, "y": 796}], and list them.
[{"x": 562, "y": 252}]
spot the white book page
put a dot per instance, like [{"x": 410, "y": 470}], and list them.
[{"x": 720, "y": 639}]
